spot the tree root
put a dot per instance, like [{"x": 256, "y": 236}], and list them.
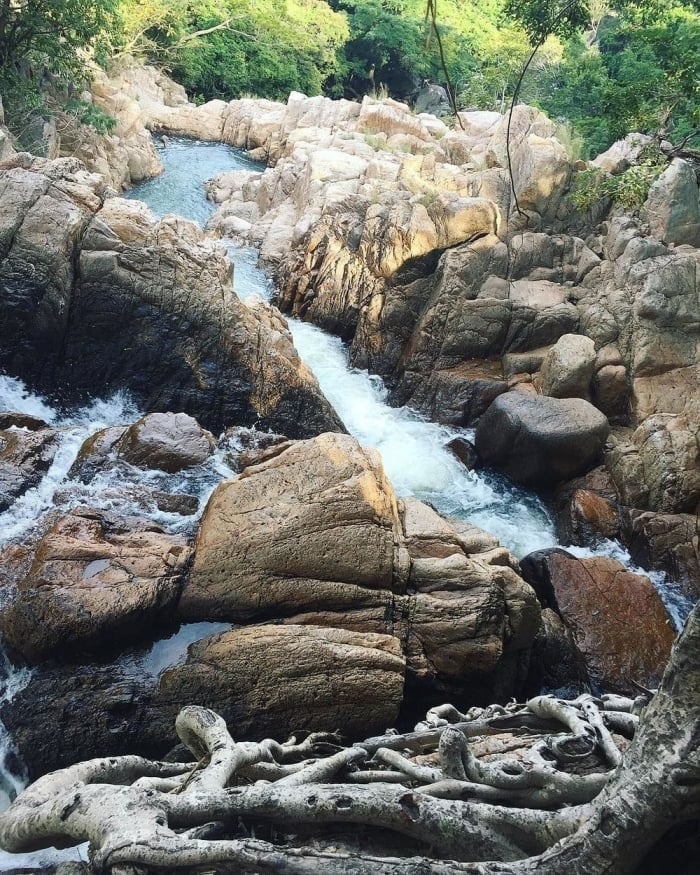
[{"x": 568, "y": 802}]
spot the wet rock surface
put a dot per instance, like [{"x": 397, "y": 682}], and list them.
[
  {"x": 25, "y": 456},
  {"x": 118, "y": 300},
  {"x": 616, "y": 617},
  {"x": 94, "y": 580}
]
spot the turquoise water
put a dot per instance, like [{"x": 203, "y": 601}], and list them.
[{"x": 188, "y": 164}]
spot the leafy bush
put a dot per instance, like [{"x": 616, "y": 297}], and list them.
[{"x": 628, "y": 189}]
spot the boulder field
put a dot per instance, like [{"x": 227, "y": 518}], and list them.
[
  {"x": 343, "y": 604},
  {"x": 405, "y": 237}
]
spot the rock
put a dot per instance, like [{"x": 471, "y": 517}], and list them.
[
  {"x": 432, "y": 99},
  {"x": 453, "y": 396},
  {"x": 314, "y": 535},
  {"x": 10, "y": 418},
  {"x": 587, "y": 509},
  {"x": 539, "y": 441},
  {"x": 25, "y": 456},
  {"x": 264, "y": 680},
  {"x": 167, "y": 441},
  {"x": 315, "y": 524},
  {"x": 670, "y": 460},
  {"x": 465, "y": 451},
  {"x": 622, "y": 153},
  {"x": 591, "y": 517},
  {"x": 567, "y": 367},
  {"x": 667, "y": 542},
  {"x": 176, "y": 502},
  {"x": 95, "y": 580},
  {"x": 610, "y": 391},
  {"x": 274, "y": 680},
  {"x": 92, "y": 710},
  {"x": 101, "y": 297},
  {"x": 617, "y": 618},
  {"x": 672, "y": 208},
  {"x": 96, "y": 453},
  {"x": 557, "y": 665}
]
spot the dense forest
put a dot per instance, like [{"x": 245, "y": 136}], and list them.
[{"x": 605, "y": 67}]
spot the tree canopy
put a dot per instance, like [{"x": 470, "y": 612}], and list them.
[{"x": 605, "y": 66}]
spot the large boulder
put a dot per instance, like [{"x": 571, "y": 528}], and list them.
[
  {"x": 315, "y": 524},
  {"x": 264, "y": 680},
  {"x": 618, "y": 620},
  {"x": 668, "y": 542},
  {"x": 313, "y": 534},
  {"x": 538, "y": 440},
  {"x": 568, "y": 367},
  {"x": 672, "y": 208},
  {"x": 99, "y": 296},
  {"x": 273, "y": 680},
  {"x": 95, "y": 581}
]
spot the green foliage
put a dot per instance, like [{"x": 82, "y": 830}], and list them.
[
  {"x": 636, "y": 70},
  {"x": 628, "y": 189},
  {"x": 542, "y": 18},
  {"x": 225, "y": 49},
  {"x": 51, "y": 32},
  {"x": 89, "y": 114}
]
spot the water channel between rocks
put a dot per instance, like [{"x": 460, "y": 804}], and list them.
[{"x": 413, "y": 450}]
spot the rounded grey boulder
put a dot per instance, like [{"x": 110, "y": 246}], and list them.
[{"x": 538, "y": 440}]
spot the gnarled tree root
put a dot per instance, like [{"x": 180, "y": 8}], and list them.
[{"x": 571, "y": 802}]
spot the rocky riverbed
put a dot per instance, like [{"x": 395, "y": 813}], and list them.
[{"x": 309, "y": 588}]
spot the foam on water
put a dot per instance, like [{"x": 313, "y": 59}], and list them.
[{"x": 414, "y": 452}]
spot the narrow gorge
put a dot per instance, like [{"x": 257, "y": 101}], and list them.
[{"x": 325, "y": 422}]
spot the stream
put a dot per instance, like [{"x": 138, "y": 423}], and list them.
[{"x": 413, "y": 450}]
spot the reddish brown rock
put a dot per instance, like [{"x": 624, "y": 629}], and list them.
[{"x": 618, "y": 619}]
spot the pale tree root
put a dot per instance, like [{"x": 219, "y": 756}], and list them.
[{"x": 572, "y": 802}]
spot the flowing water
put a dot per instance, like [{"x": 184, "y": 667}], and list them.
[{"x": 413, "y": 450}]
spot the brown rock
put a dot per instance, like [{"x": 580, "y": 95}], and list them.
[
  {"x": 95, "y": 580},
  {"x": 100, "y": 296},
  {"x": 9, "y": 418},
  {"x": 168, "y": 441},
  {"x": 618, "y": 620},
  {"x": 668, "y": 542},
  {"x": 313, "y": 535},
  {"x": 273, "y": 680},
  {"x": 316, "y": 524}
]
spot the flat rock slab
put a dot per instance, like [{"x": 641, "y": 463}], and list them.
[{"x": 94, "y": 580}]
